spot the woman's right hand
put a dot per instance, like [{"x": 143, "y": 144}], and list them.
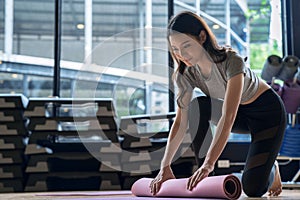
[{"x": 163, "y": 175}]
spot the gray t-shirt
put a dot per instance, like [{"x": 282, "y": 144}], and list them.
[{"x": 215, "y": 84}]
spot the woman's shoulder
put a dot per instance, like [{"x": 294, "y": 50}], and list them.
[
  {"x": 233, "y": 63},
  {"x": 233, "y": 57},
  {"x": 231, "y": 54}
]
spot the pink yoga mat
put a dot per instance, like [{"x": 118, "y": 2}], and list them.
[{"x": 225, "y": 186}]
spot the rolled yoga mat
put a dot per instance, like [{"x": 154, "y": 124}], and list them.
[
  {"x": 224, "y": 186},
  {"x": 289, "y": 68},
  {"x": 271, "y": 68}
]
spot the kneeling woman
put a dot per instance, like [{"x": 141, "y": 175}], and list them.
[{"x": 235, "y": 100}]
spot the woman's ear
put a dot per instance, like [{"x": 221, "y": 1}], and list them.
[{"x": 202, "y": 36}]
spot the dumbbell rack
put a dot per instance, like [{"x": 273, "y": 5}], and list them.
[
  {"x": 70, "y": 141},
  {"x": 13, "y": 135}
]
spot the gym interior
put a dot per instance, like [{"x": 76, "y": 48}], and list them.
[{"x": 87, "y": 97}]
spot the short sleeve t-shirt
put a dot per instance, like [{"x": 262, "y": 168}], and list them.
[{"x": 215, "y": 84}]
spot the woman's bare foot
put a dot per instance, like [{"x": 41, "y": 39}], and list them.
[{"x": 276, "y": 187}]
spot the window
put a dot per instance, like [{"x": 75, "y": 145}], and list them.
[
  {"x": 118, "y": 49},
  {"x": 128, "y": 52},
  {"x": 33, "y": 28}
]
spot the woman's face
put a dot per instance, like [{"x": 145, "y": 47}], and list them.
[{"x": 186, "y": 48}]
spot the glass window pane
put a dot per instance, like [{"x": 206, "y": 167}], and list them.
[
  {"x": 65, "y": 88},
  {"x": 238, "y": 24},
  {"x": 33, "y": 28},
  {"x": 238, "y": 21},
  {"x": 218, "y": 30},
  {"x": 11, "y": 83},
  {"x": 238, "y": 46},
  {"x": 72, "y": 36},
  {"x": 31, "y": 80},
  {"x": 39, "y": 86},
  {"x": 127, "y": 58},
  {"x": 216, "y": 9}
]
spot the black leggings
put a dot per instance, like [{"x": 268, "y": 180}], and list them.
[{"x": 264, "y": 119}]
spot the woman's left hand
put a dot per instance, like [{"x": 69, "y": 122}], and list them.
[{"x": 199, "y": 175}]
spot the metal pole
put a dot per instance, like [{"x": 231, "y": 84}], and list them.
[
  {"x": 171, "y": 64},
  {"x": 283, "y": 27},
  {"x": 57, "y": 48},
  {"x": 287, "y": 38}
]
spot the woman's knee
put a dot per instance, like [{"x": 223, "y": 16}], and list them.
[
  {"x": 252, "y": 191},
  {"x": 253, "y": 187}
]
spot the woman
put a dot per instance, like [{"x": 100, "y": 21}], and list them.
[{"x": 236, "y": 101}]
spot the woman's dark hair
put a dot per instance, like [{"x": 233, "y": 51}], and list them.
[{"x": 191, "y": 24}]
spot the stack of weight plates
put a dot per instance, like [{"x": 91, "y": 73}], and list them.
[
  {"x": 13, "y": 136},
  {"x": 73, "y": 145}
]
